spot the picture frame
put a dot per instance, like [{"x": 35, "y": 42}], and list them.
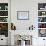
[
  {"x": 42, "y": 33},
  {"x": 22, "y": 15}
]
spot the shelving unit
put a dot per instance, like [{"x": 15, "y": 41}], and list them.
[
  {"x": 42, "y": 10},
  {"x": 4, "y": 19},
  {"x": 42, "y": 19}
]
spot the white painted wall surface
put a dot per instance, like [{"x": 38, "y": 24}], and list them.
[
  {"x": 32, "y": 7},
  {"x": 24, "y": 5}
]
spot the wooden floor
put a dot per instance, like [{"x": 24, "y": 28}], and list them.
[{"x": 3, "y": 45}]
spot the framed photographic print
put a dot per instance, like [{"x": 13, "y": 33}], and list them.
[{"x": 22, "y": 15}]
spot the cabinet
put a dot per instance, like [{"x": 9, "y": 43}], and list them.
[
  {"x": 42, "y": 41},
  {"x": 4, "y": 19},
  {"x": 3, "y": 40},
  {"x": 42, "y": 19}
]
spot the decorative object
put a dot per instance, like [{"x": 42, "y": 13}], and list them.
[
  {"x": 3, "y": 19},
  {"x": 43, "y": 13},
  {"x": 41, "y": 19},
  {"x": 42, "y": 6},
  {"x": 31, "y": 27},
  {"x": 23, "y": 40},
  {"x": 23, "y": 15},
  {"x": 0, "y": 7},
  {"x": 3, "y": 13},
  {"x": 6, "y": 7},
  {"x": 13, "y": 27},
  {"x": 42, "y": 32}
]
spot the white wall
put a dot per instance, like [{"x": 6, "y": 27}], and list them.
[
  {"x": 24, "y": 5},
  {"x": 32, "y": 7}
]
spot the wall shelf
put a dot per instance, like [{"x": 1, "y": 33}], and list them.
[
  {"x": 41, "y": 22},
  {"x": 41, "y": 28},
  {"x": 3, "y": 16},
  {"x": 3, "y": 10},
  {"x": 42, "y": 16},
  {"x": 41, "y": 10},
  {"x": 42, "y": 19},
  {"x": 3, "y": 22}
]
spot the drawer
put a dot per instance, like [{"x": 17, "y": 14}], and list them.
[{"x": 3, "y": 41}]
